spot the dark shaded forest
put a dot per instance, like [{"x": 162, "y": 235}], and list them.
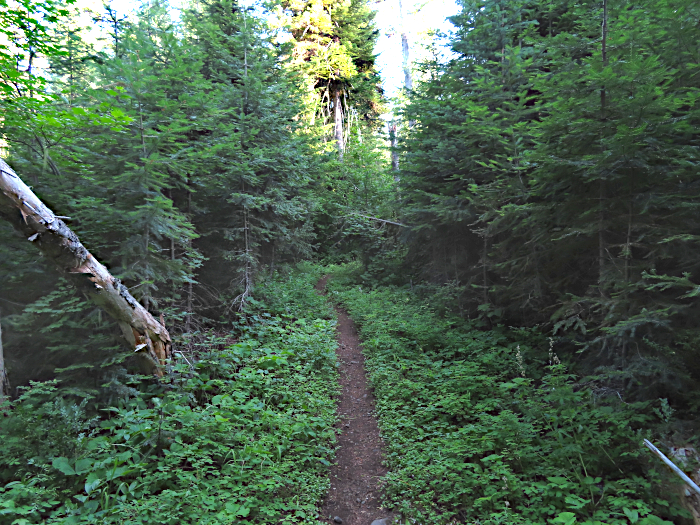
[{"x": 518, "y": 244}]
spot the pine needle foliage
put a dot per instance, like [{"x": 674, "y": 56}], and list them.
[{"x": 552, "y": 170}]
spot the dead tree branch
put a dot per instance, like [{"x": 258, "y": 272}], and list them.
[{"x": 39, "y": 225}]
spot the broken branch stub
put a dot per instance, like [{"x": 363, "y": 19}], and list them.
[{"x": 39, "y": 225}]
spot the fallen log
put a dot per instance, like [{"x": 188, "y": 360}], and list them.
[{"x": 40, "y": 226}]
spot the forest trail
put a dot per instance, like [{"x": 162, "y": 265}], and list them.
[{"x": 356, "y": 475}]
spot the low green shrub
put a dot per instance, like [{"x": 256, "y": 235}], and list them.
[
  {"x": 243, "y": 434},
  {"x": 488, "y": 427}
]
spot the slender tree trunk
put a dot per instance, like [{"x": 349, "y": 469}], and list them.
[
  {"x": 601, "y": 235},
  {"x": 407, "y": 78},
  {"x": 116, "y": 34},
  {"x": 601, "y": 189},
  {"x": 393, "y": 136},
  {"x": 147, "y": 232},
  {"x": 172, "y": 239},
  {"x": 190, "y": 294},
  {"x": 520, "y": 40},
  {"x": 604, "y": 51},
  {"x": 190, "y": 290},
  {"x": 248, "y": 277},
  {"x": 61, "y": 246},
  {"x": 628, "y": 257},
  {"x": 245, "y": 58},
  {"x": 628, "y": 245},
  {"x": 29, "y": 69},
  {"x": 4, "y": 381},
  {"x": 147, "y": 242},
  {"x": 338, "y": 123},
  {"x": 485, "y": 276}
]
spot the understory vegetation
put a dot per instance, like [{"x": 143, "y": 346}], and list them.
[
  {"x": 240, "y": 432},
  {"x": 519, "y": 242},
  {"x": 488, "y": 426}
]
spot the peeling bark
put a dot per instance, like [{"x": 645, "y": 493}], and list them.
[{"x": 61, "y": 246}]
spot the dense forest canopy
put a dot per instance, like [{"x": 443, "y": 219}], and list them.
[{"x": 538, "y": 215}]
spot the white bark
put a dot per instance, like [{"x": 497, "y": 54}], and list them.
[
  {"x": 338, "y": 123},
  {"x": 408, "y": 79},
  {"x": 61, "y": 246}
]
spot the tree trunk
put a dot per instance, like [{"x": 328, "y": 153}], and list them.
[
  {"x": 338, "y": 123},
  {"x": 485, "y": 276},
  {"x": 4, "y": 381},
  {"x": 406, "y": 63},
  {"x": 601, "y": 237},
  {"x": 407, "y": 78},
  {"x": 601, "y": 189},
  {"x": 248, "y": 276},
  {"x": 604, "y": 52},
  {"x": 393, "y": 136},
  {"x": 61, "y": 246},
  {"x": 190, "y": 291}
]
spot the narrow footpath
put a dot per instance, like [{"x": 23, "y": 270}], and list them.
[{"x": 355, "y": 477}]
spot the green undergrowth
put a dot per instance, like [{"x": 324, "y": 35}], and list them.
[
  {"x": 488, "y": 427},
  {"x": 240, "y": 435}
]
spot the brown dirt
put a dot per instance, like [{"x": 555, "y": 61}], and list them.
[{"x": 356, "y": 475}]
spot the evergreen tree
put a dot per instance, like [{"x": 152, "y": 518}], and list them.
[
  {"x": 613, "y": 172},
  {"x": 464, "y": 157},
  {"x": 551, "y": 168},
  {"x": 250, "y": 204},
  {"x": 334, "y": 49},
  {"x": 152, "y": 80},
  {"x": 111, "y": 158}
]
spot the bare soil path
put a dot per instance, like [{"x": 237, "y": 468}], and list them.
[{"x": 355, "y": 478}]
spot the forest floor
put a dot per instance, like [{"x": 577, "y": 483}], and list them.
[{"x": 357, "y": 472}]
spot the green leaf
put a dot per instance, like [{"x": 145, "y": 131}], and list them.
[
  {"x": 633, "y": 515},
  {"x": 92, "y": 482},
  {"x": 565, "y": 518},
  {"x": 575, "y": 502},
  {"x": 83, "y": 465},
  {"x": 654, "y": 520},
  {"x": 63, "y": 465}
]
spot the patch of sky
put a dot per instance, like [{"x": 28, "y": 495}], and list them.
[{"x": 423, "y": 21}]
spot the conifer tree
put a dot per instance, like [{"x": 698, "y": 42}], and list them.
[
  {"x": 613, "y": 169},
  {"x": 550, "y": 171},
  {"x": 251, "y": 205},
  {"x": 334, "y": 48},
  {"x": 464, "y": 156},
  {"x": 112, "y": 156},
  {"x": 156, "y": 74}
]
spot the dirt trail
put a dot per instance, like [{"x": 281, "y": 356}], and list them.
[{"x": 355, "y": 477}]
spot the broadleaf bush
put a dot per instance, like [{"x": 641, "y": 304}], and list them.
[{"x": 243, "y": 434}]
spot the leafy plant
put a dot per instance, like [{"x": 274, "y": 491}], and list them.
[
  {"x": 244, "y": 433},
  {"x": 489, "y": 426}
]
